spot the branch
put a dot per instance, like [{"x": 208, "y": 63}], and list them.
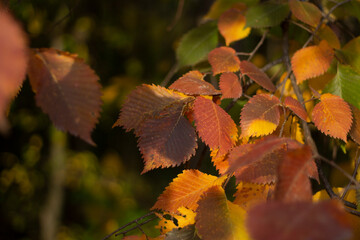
[
  {"x": 258, "y": 45},
  {"x": 178, "y": 14},
  {"x": 353, "y": 175}
]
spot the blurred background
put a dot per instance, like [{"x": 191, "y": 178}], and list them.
[{"x": 46, "y": 174}]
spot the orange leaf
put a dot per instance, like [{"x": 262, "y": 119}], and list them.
[
  {"x": 293, "y": 177},
  {"x": 332, "y": 116},
  {"x": 255, "y": 74},
  {"x": 192, "y": 83},
  {"x": 295, "y": 106},
  {"x": 355, "y": 128},
  {"x": 223, "y": 59},
  {"x": 231, "y": 25},
  {"x": 230, "y": 85},
  {"x": 185, "y": 190},
  {"x": 67, "y": 89},
  {"x": 260, "y": 115},
  {"x": 13, "y": 61},
  {"x": 305, "y": 12},
  {"x": 215, "y": 127},
  {"x": 319, "y": 56},
  {"x": 248, "y": 194},
  {"x": 220, "y": 161}
]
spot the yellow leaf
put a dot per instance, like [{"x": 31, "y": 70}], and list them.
[
  {"x": 322, "y": 195},
  {"x": 176, "y": 220},
  {"x": 248, "y": 194}
]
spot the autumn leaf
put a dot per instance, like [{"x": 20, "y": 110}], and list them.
[
  {"x": 183, "y": 218},
  {"x": 260, "y": 115},
  {"x": 13, "y": 62},
  {"x": 214, "y": 125},
  {"x": 185, "y": 233},
  {"x": 223, "y": 59},
  {"x": 219, "y": 160},
  {"x": 255, "y": 74},
  {"x": 326, "y": 33},
  {"x": 298, "y": 221},
  {"x": 230, "y": 85},
  {"x": 67, "y": 89},
  {"x": 266, "y": 14},
  {"x": 295, "y": 106},
  {"x": 143, "y": 237},
  {"x": 248, "y": 194},
  {"x": 355, "y": 128},
  {"x": 231, "y": 25},
  {"x": 192, "y": 83},
  {"x": 332, "y": 116},
  {"x": 306, "y": 12},
  {"x": 320, "y": 57},
  {"x": 293, "y": 176},
  {"x": 185, "y": 190},
  {"x": 217, "y": 218},
  {"x": 350, "y": 53}
]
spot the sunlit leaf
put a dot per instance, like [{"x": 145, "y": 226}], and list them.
[
  {"x": 185, "y": 233},
  {"x": 183, "y": 218},
  {"x": 230, "y": 85},
  {"x": 266, "y": 14},
  {"x": 185, "y": 190},
  {"x": 223, "y": 59},
  {"x": 248, "y": 194},
  {"x": 192, "y": 83},
  {"x": 196, "y": 44},
  {"x": 217, "y": 218},
  {"x": 67, "y": 89},
  {"x": 260, "y": 115},
  {"x": 320, "y": 57},
  {"x": 295, "y": 106},
  {"x": 351, "y": 54},
  {"x": 332, "y": 116},
  {"x": 255, "y": 74},
  {"x": 306, "y": 12},
  {"x": 298, "y": 221},
  {"x": 231, "y": 25},
  {"x": 219, "y": 160},
  {"x": 355, "y": 128},
  {"x": 215, "y": 127}
]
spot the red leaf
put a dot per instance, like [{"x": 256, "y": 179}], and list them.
[
  {"x": 295, "y": 106},
  {"x": 230, "y": 85},
  {"x": 192, "y": 83},
  {"x": 255, "y": 74},
  {"x": 67, "y": 89},
  {"x": 223, "y": 59},
  {"x": 298, "y": 221},
  {"x": 214, "y": 125},
  {"x": 13, "y": 61}
]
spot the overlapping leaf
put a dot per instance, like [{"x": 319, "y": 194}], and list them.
[
  {"x": 214, "y": 125},
  {"x": 218, "y": 218},
  {"x": 351, "y": 54},
  {"x": 255, "y": 74},
  {"x": 220, "y": 161},
  {"x": 230, "y": 85},
  {"x": 298, "y": 221},
  {"x": 185, "y": 190},
  {"x": 305, "y": 12},
  {"x": 320, "y": 57},
  {"x": 248, "y": 194},
  {"x": 182, "y": 219},
  {"x": 295, "y": 106},
  {"x": 294, "y": 172},
  {"x": 192, "y": 83},
  {"x": 13, "y": 61},
  {"x": 260, "y": 115},
  {"x": 266, "y": 14},
  {"x": 223, "y": 59},
  {"x": 185, "y": 233},
  {"x": 231, "y": 25},
  {"x": 67, "y": 89},
  {"x": 355, "y": 128},
  {"x": 326, "y": 33},
  {"x": 332, "y": 116}
]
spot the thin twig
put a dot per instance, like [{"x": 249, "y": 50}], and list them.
[
  {"x": 353, "y": 212},
  {"x": 136, "y": 227},
  {"x": 178, "y": 14},
  {"x": 283, "y": 125},
  {"x": 169, "y": 75},
  {"x": 258, "y": 45},
  {"x": 271, "y": 64},
  {"x": 353, "y": 175}
]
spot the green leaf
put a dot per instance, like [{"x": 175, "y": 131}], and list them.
[
  {"x": 346, "y": 84},
  {"x": 196, "y": 44},
  {"x": 266, "y": 15},
  {"x": 350, "y": 54}
]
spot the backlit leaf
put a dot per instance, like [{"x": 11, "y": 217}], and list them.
[
  {"x": 215, "y": 127},
  {"x": 332, "y": 116},
  {"x": 230, "y": 85},
  {"x": 231, "y": 25},
  {"x": 192, "y": 83},
  {"x": 351, "y": 54},
  {"x": 355, "y": 128},
  {"x": 248, "y": 194},
  {"x": 183, "y": 218},
  {"x": 185, "y": 190},
  {"x": 13, "y": 61},
  {"x": 306, "y": 12},
  {"x": 294, "y": 171},
  {"x": 266, "y": 14},
  {"x": 223, "y": 59},
  {"x": 298, "y": 221},
  {"x": 67, "y": 89},
  {"x": 196, "y": 44},
  {"x": 295, "y": 106},
  {"x": 217, "y": 218},
  {"x": 220, "y": 161},
  {"x": 258, "y": 76},
  {"x": 320, "y": 57},
  {"x": 260, "y": 115},
  {"x": 185, "y": 233}
]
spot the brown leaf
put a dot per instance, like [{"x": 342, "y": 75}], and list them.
[
  {"x": 255, "y": 74},
  {"x": 230, "y": 85},
  {"x": 67, "y": 89},
  {"x": 325, "y": 220},
  {"x": 192, "y": 83},
  {"x": 295, "y": 106},
  {"x": 355, "y": 128},
  {"x": 223, "y": 59}
]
